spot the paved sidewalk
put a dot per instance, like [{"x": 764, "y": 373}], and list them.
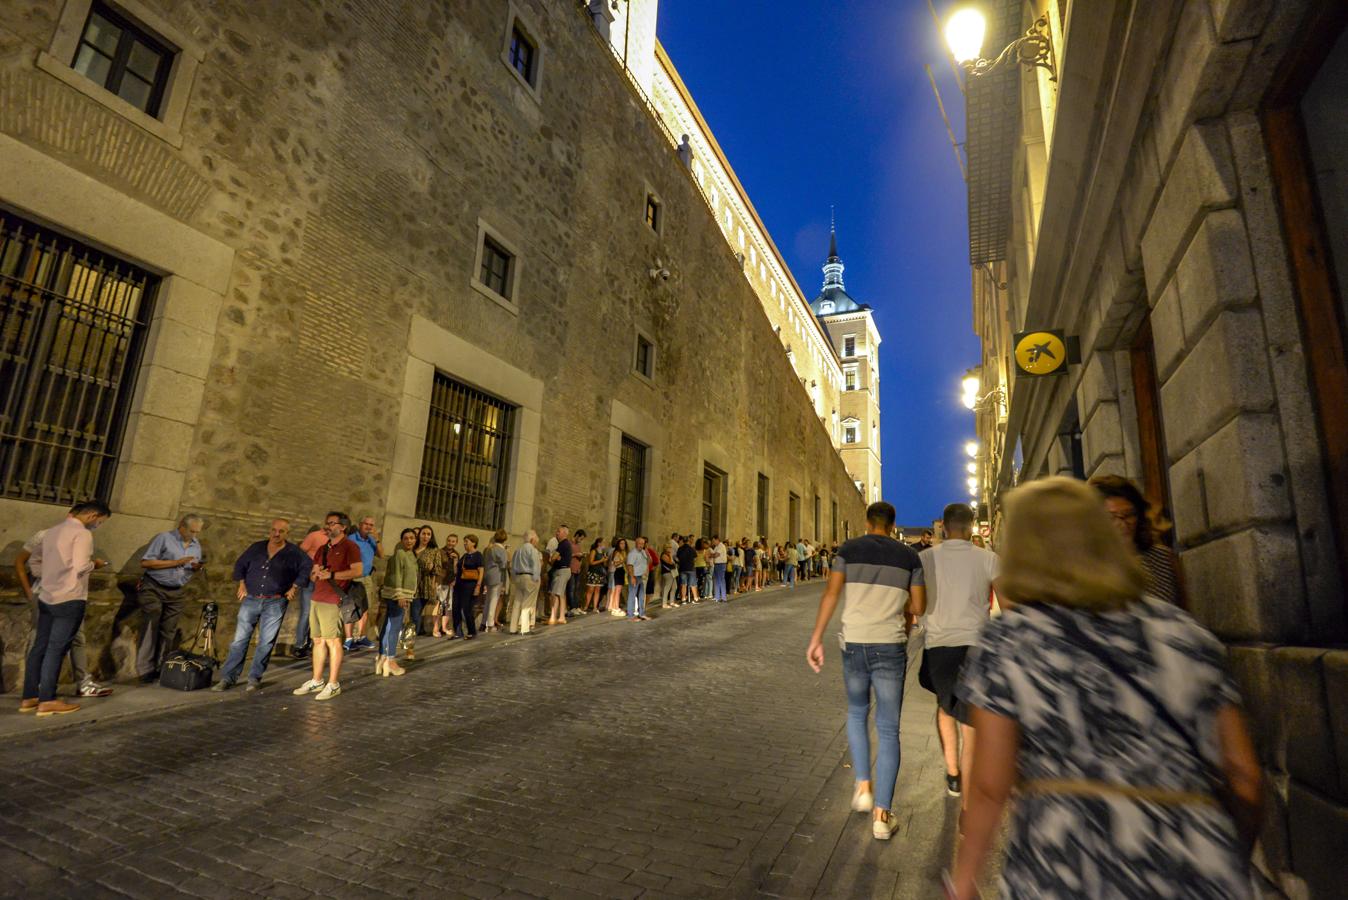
[
  {"x": 130, "y": 698},
  {"x": 691, "y": 756},
  {"x": 833, "y": 853}
]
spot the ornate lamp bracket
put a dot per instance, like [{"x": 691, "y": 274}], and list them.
[{"x": 1032, "y": 50}]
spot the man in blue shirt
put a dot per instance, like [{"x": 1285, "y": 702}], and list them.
[
  {"x": 638, "y": 564},
  {"x": 367, "y": 539},
  {"x": 170, "y": 561},
  {"x": 269, "y": 573}
]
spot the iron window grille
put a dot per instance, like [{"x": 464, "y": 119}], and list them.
[
  {"x": 123, "y": 58},
  {"x": 793, "y": 515},
  {"x": 653, "y": 212},
  {"x": 713, "y": 500},
  {"x": 495, "y": 272},
  {"x": 763, "y": 487},
  {"x": 833, "y": 522},
  {"x": 817, "y": 519},
  {"x": 522, "y": 54},
  {"x": 645, "y": 358},
  {"x": 464, "y": 465},
  {"x": 631, "y": 487},
  {"x": 73, "y": 323}
]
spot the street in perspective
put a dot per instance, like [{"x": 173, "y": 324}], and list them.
[{"x": 443, "y": 450}]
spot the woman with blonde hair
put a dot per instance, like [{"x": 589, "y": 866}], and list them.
[
  {"x": 495, "y": 560},
  {"x": 1110, "y": 714}
]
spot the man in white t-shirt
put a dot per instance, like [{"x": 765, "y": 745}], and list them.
[
  {"x": 959, "y": 578},
  {"x": 719, "y": 558}
]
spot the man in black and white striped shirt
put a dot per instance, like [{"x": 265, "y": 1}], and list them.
[{"x": 877, "y": 578}]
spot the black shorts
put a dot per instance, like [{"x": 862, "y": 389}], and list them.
[{"x": 940, "y": 674}]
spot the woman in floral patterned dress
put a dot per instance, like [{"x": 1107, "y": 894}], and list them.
[{"x": 1110, "y": 714}]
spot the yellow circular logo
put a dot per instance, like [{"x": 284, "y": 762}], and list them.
[{"x": 1041, "y": 353}]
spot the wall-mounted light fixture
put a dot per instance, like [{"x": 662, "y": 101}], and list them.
[{"x": 964, "y": 33}]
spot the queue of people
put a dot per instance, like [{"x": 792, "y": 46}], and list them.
[
  {"x": 1092, "y": 704},
  {"x": 349, "y": 587}
]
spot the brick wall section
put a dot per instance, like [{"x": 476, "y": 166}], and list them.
[
  {"x": 348, "y": 154},
  {"x": 1199, "y": 238}
]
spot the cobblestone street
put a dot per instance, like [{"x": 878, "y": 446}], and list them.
[{"x": 694, "y": 755}]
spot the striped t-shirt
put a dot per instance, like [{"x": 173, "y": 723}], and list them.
[{"x": 879, "y": 572}]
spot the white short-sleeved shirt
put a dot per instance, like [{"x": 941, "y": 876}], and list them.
[{"x": 959, "y": 580}]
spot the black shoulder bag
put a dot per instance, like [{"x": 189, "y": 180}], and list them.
[{"x": 353, "y": 602}]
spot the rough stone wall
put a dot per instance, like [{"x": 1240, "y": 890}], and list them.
[
  {"x": 1198, "y": 238},
  {"x": 348, "y": 154}
]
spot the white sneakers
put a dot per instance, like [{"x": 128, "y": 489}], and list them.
[
  {"x": 311, "y": 686},
  {"x": 326, "y": 690},
  {"x": 883, "y": 829}
]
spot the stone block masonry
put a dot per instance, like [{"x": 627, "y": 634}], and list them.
[{"x": 346, "y": 160}]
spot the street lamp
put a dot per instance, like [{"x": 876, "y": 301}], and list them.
[
  {"x": 964, "y": 32},
  {"x": 970, "y": 386},
  {"x": 971, "y": 448},
  {"x": 972, "y": 468}
]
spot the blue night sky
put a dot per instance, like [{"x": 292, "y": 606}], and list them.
[{"x": 819, "y": 103}]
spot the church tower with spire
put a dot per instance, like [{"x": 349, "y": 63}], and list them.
[{"x": 851, "y": 328}]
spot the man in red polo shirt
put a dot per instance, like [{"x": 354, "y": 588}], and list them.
[{"x": 337, "y": 561}]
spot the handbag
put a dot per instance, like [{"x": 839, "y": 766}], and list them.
[{"x": 186, "y": 670}]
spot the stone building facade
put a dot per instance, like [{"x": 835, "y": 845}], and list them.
[
  {"x": 430, "y": 262},
  {"x": 1175, "y": 199}
]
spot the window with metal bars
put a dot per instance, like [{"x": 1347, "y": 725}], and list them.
[
  {"x": 763, "y": 488},
  {"x": 631, "y": 487},
  {"x": 817, "y": 520},
  {"x": 522, "y": 54},
  {"x": 464, "y": 465},
  {"x": 833, "y": 522},
  {"x": 72, "y": 329},
  {"x": 793, "y": 515},
  {"x": 713, "y": 500},
  {"x": 495, "y": 271},
  {"x": 118, "y": 55}
]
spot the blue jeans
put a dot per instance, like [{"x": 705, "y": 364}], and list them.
[
  {"x": 57, "y": 624},
  {"x": 636, "y": 598},
  {"x": 302, "y": 626},
  {"x": 393, "y": 626},
  {"x": 878, "y": 667},
  {"x": 718, "y": 581},
  {"x": 266, "y": 616},
  {"x": 790, "y": 574}
]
